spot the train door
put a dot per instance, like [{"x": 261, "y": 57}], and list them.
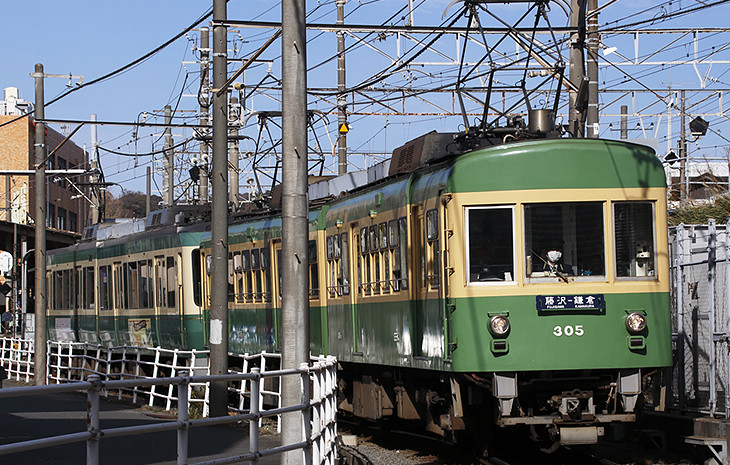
[
  {"x": 166, "y": 327},
  {"x": 418, "y": 272}
]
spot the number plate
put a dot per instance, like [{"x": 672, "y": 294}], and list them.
[{"x": 551, "y": 303}]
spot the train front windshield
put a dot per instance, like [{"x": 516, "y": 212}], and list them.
[{"x": 561, "y": 240}]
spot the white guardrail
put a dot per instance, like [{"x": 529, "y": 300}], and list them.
[{"x": 175, "y": 379}]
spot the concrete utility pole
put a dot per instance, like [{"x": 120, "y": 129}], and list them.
[
  {"x": 592, "y": 69},
  {"x": 39, "y": 357},
  {"x": 204, "y": 106},
  {"x": 624, "y": 122},
  {"x": 341, "y": 97},
  {"x": 577, "y": 68},
  {"x": 683, "y": 191},
  {"x": 168, "y": 182},
  {"x": 294, "y": 258},
  {"x": 234, "y": 117},
  {"x": 219, "y": 218}
]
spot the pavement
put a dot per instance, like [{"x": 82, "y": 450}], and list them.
[{"x": 24, "y": 418}]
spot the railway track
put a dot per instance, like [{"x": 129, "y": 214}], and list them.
[{"x": 395, "y": 444}]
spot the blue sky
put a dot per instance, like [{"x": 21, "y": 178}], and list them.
[{"x": 91, "y": 38}]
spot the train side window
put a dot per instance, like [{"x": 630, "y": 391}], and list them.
[
  {"x": 337, "y": 262},
  {"x": 394, "y": 255},
  {"x": 119, "y": 285},
  {"x": 231, "y": 287},
  {"x": 238, "y": 272},
  {"x": 490, "y": 244},
  {"x": 145, "y": 274},
  {"x": 171, "y": 282},
  {"x": 266, "y": 271},
  {"x": 256, "y": 266},
  {"x": 104, "y": 287},
  {"x": 573, "y": 233},
  {"x": 133, "y": 284},
  {"x": 246, "y": 266},
  {"x": 313, "y": 271},
  {"x": 402, "y": 252},
  {"x": 373, "y": 262},
  {"x": 197, "y": 281},
  {"x": 77, "y": 296},
  {"x": 634, "y": 239},
  {"x": 363, "y": 266},
  {"x": 432, "y": 250},
  {"x": 88, "y": 301}
]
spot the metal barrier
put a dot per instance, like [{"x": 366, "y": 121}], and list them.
[
  {"x": 700, "y": 260},
  {"x": 318, "y": 383}
]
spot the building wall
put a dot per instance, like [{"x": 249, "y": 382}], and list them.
[
  {"x": 17, "y": 152},
  {"x": 15, "y": 145}
]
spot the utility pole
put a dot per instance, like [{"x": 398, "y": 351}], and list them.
[
  {"x": 219, "y": 217},
  {"x": 148, "y": 195},
  {"x": 592, "y": 69},
  {"x": 168, "y": 183},
  {"x": 624, "y": 122},
  {"x": 204, "y": 106},
  {"x": 39, "y": 357},
  {"x": 94, "y": 216},
  {"x": 341, "y": 97},
  {"x": 683, "y": 191},
  {"x": 577, "y": 73},
  {"x": 234, "y": 118},
  {"x": 294, "y": 259}
]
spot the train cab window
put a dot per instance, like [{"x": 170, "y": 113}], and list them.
[
  {"x": 105, "y": 279},
  {"x": 490, "y": 244},
  {"x": 564, "y": 240},
  {"x": 256, "y": 269},
  {"x": 634, "y": 236}
]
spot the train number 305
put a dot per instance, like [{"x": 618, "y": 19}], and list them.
[{"x": 569, "y": 330}]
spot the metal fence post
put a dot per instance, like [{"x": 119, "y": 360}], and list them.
[
  {"x": 182, "y": 417},
  {"x": 681, "y": 336},
  {"x": 253, "y": 423},
  {"x": 92, "y": 420},
  {"x": 727, "y": 319},
  {"x": 306, "y": 414},
  {"x": 711, "y": 271}
]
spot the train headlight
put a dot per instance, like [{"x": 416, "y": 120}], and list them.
[
  {"x": 635, "y": 322},
  {"x": 499, "y": 325}
]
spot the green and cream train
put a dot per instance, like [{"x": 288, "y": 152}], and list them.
[{"x": 508, "y": 277}]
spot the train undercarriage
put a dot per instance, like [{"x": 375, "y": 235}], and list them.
[{"x": 561, "y": 408}]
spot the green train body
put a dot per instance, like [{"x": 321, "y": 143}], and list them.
[{"x": 432, "y": 287}]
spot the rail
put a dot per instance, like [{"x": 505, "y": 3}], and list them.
[{"x": 318, "y": 383}]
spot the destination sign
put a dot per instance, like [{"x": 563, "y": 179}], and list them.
[{"x": 571, "y": 302}]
